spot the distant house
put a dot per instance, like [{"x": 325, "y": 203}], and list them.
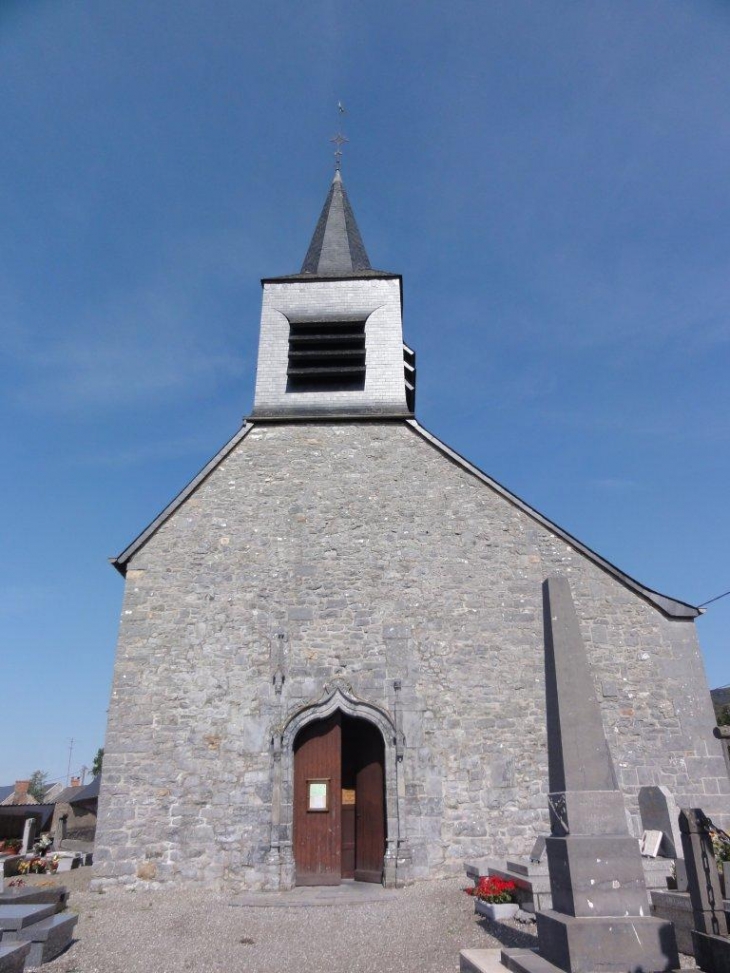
[
  {"x": 74, "y": 817},
  {"x": 16, "y": 804},
  {"x": 68, "y": 813},
  {"x": 19, "y": 795}
]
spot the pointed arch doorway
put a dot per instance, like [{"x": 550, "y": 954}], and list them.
[{"x": 339, "y": 801}]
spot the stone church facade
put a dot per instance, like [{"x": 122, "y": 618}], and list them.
[{"x": 331, "y": 652}]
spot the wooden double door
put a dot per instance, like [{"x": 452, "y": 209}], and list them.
[{"x": 339, "y": 801}]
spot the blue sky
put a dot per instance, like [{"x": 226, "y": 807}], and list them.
[{"x": 551, "y": 178}]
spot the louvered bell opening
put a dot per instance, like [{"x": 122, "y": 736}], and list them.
[
  {"x": 326, "y": 357},
  {"x": 409, "y": 374}
]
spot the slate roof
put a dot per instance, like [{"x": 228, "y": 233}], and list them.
[
  {"x": 120, "y": 562},
  {"x": 669, "y": 606},
  {"x": 88, "y": 793},
  {"x": 336, "y": 249},
  {"x": 69, "y": 794},
  {"x": 6, "y": 791}
]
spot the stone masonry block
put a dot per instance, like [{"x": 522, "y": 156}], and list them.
[
  {"x": 587, "y": 872},
  {"x": 614, "y": 945}
]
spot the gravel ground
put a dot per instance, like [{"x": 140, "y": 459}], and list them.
[
  {"x": 415, "y": 930},
  {"x": 419, "y": 929}
]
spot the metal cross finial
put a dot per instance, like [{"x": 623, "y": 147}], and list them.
[{"x": 339, "y": 139}]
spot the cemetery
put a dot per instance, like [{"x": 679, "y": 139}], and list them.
[{"x": 35, "y": 925}]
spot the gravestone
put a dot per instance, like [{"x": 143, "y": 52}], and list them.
[
  {"x": 601, "y": 917},
  {"x": 659, "y": 812},
  {"x": 538, "y": 849},
  {"x": 28, "y": 836},
  {"x": 710, "y": 933}
]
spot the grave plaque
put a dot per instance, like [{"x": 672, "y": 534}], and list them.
[
  {"x": 659, "y": 812},
  {"x": 650, "y": 843},
  {"x": 538, "y": 849}
]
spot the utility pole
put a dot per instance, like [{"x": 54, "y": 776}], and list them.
[{"x": 68, "y": 769}]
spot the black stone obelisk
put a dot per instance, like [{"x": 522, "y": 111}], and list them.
[{"x": 601, "y": 917}]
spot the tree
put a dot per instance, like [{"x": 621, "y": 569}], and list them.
[
  {"x": 98, "y": 760},
  {"x": 38, "y": 785}
]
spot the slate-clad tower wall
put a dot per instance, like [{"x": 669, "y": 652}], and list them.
[
  {"x": 376, "y": 302},
  {"x": 342, "y": 553}
]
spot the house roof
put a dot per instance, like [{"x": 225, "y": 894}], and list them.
[
  {"x": 5, "y": 791},
  {"x": 52, "y": 792},
  {"x": 69, "y": 794},
  {"x": 88, "y": 793},
  {"x": 20, "y": 800},
  {"x": 671, "y": 607}
]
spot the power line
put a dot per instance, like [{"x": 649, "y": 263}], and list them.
[{"x": 723, "y": 595}]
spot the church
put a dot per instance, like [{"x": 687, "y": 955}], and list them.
[{"x": 331, "y": 654}]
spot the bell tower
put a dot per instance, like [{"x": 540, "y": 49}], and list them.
[{"x": 331, "y": 341}]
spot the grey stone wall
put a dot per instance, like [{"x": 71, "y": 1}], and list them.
[{"x": 358, "y": 551}]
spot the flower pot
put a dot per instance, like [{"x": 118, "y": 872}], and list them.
[{"x": 498, "y": 911}]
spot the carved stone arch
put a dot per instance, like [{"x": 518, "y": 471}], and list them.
[{"x": 337, "y": 695}]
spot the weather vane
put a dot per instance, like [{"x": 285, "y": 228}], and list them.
[{"x": 339, "y": 139}]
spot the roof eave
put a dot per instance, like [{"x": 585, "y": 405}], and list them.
[
  {"x": 671, "y": 607},
  {"x": 120, "y": 562},
  {"x": 318, "y": 278}
]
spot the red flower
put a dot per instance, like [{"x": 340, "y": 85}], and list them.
[{"x": 491, "y": 888}]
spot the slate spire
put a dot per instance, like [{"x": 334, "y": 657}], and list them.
[{"x": 336, "y": 248}]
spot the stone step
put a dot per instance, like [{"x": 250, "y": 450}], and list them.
[
  {"x": 56, "y": 895},
  {"x": 476, "y": 869},
  {"x": 537, "y": 880},
  {"x": 480, "y": 961},
  {"x": 49, "y": 937},
  {"x": 527, "y": 868},
  {"x": 526, "y": 961},
  {"x": 537, "y": 884},
  {"x": 13, "y": 957},
  {"x": 16, "y": 917},
  {"x": 533, "y": 892}
]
